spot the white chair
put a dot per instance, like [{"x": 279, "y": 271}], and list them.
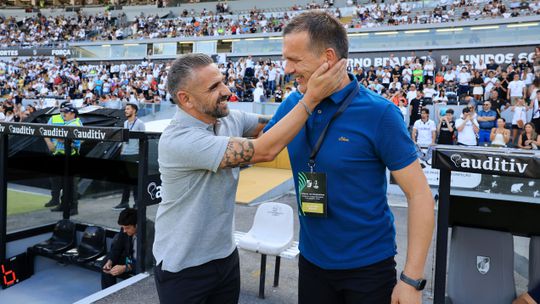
[{"x": 271, "y": 234}]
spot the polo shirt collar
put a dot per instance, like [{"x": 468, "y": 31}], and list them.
[
  {"x": 339, "y": 96},
  {"x": 185, "y": 120}
]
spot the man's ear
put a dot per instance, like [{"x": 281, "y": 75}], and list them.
[
  {"x": 330, "y": 56},
  {"x": 184, "y": 99}
]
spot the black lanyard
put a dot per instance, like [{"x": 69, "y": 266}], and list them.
[
  {"x": 342, "y": 108},
  {"x": 130, "y": 128}
]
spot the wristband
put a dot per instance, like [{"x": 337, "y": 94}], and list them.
[{"x": 308, "y": 111}]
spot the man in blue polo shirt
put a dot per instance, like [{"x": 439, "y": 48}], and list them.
[
  {"x": 347, "y": 234},
  {"x": 486, "y": 119}
]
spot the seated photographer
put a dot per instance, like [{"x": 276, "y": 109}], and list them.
[{"x": 121, "y": 259}]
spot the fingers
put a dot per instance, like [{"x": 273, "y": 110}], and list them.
[{"x": 321, "y": 70}]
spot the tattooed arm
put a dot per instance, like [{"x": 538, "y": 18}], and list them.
[
  {"x": 239, "y": 152},
  {"x": 242, "y": 151},
  {"x": 262, "y": 122}
]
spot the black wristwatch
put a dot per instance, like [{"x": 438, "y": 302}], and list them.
[{"x": 417, "y": 284}]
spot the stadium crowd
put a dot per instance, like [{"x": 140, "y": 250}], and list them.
[
  {"x": 41, "y": 30},
  {"x": 420, "y": 81}
]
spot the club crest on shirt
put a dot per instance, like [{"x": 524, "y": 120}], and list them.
[{"x": 343, "y": 138}]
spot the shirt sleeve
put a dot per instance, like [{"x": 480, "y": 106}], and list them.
[
  {"x": 195, "y": 149},
  {"x": 141, "y": 126},
  {"x": 250, "y": 122},
  {"x": 284, "y": 108},
  {"x": 394, "y": 145}
]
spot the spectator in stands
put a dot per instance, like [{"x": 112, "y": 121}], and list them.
[
  {"x": 486, "y": 120},
  {"x": 446, "y": 128},
  {"x": 500, "y": 135},
  {"x": 537, "y": 58},
  {"x": 478, "y": 86},
  {"x": 535, "y": 106},
  {"x": 424, "y": 130},
  {"x": 496, "y": 103},
  {"x": 398, "y": 98},
  {"x": 203, "y": 146},
  {"x": 516, "y": 89},
  {"x": 415, "y": 108},
  {"x": 120, "y": 261},
  {"x": 529, "y": 139},
  {"x": 441, "y": 98},
  {"x": 2, "y": 115},
  {"x": 258, "y": 93},
  {"x": 467, "y": 128},
  {"x": 311, "y": 39},
  {"x": 464, "y": 77},
  {"x": 519, "y": 118},
  {"x": 278, "y": 94},
  {"x": 489, "y": 84},
  {"x": 130, "y": 152}
]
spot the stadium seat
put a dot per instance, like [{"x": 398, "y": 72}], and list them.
[
  {"x": 63, "y": 238},
  {"x": 271, "y": 233},
  {"x": 481, "y": 267},
  {"x": 534, "y": 262},
  {"x": 452, "y": 99},
  {"x": 91, "y": 247}
]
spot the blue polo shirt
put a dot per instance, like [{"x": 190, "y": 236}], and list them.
[
  {"x": 487, "y": 125},
  {"x": 360, "y": 144}
]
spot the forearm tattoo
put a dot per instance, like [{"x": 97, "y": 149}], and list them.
[
  {"x": 239, "y": 151},
  {"x": 264, "y": 119}
]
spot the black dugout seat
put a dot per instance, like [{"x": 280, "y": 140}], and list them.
[
  {"x": 63, "y": 238},
  {"x": 91, "y": 247}
]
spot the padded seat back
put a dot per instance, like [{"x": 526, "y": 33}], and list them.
[
  {"x": 92, "y": 244},
  {"x": 64, "y": 232},
  {"x": 272, "y": 230},
  {"x": 62, "y": 239},
  {"x": 481, "y": 267}
]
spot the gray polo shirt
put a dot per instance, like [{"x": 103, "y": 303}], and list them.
[
  {"x": 132, "y": 146},
  {"x": 195, "y": 219}
]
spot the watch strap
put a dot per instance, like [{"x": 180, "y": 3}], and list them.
[{"x": 417, "y": 284}]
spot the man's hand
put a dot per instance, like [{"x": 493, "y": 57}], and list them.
[
  {"x": 118, "y": 270},
  {"x": 406, "y": 294},
  {"x": 107, "y": 267},
  {"x": 325, "y": 81}
]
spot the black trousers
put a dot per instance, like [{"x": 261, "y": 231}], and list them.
[
  {"x": 371, "y": 284},
  {"x": 108, "y": 280},
  {"x": 215, "y": 282},
  {"x": 57, "y": 184},
  {"x": 128, "y": 188}
]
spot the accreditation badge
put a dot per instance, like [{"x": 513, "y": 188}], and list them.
[{"x": 313, "y": 195}]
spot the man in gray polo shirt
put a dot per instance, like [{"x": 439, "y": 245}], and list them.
[
  {"x": 130, "y": 151},
  {"x": 199, "y": 154}
]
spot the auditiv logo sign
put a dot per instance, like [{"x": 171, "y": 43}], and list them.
[{"x": 490, "y": 163}]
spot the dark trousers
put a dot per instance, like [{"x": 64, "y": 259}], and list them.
[
  {"x": 108, "y": 280},
  {"x": 371, "y": 284},
  {"x": 215, "y": 282},
  {"x": 57, "y": 184},
  {"x": 128, "y": 188},
  {"x": 126, "y": 192}
]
